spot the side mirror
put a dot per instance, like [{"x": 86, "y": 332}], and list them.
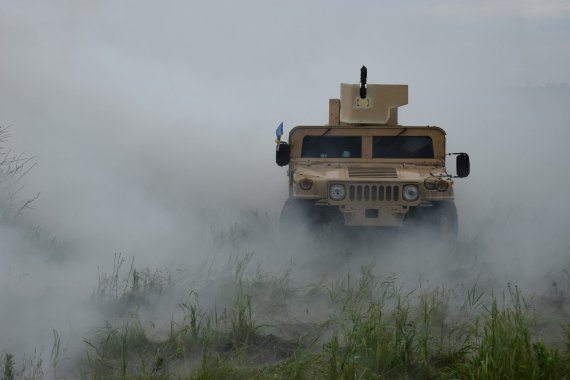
[
  {"x": 462, "y": 165},
  {"x": 283, "y": 154}
]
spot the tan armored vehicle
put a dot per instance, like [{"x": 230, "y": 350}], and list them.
[{"x": 365, "y": 169}]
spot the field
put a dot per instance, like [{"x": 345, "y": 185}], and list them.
[{"x": 347, "y": 317}]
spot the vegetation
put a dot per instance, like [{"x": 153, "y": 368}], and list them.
[
  {"x": 373, "y": 331},
  {"x": 13, "y": 169}
]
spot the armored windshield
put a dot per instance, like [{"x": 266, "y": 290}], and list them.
[
  {"x": 402, "y": 147},
  {"x": 332, "y": 147}
]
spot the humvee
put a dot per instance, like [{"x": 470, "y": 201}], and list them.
[{"x": 365, "y": 169}]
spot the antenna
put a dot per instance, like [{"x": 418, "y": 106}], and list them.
[{"x": 363, "y": 74}]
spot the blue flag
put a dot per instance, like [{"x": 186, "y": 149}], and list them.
[{"x": 279, "y": 132}]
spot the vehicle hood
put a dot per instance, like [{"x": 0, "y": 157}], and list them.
[{"x": 357, "y": 173}]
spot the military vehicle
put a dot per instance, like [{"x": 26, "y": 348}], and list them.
[{"x": 365, "y": 169}]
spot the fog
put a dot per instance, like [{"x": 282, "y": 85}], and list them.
[{"x": 153, "y": 125}]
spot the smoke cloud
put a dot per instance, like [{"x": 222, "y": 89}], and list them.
[{"x": 152, "y": 126}]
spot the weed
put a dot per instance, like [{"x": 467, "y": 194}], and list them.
[
  {"x": 195, "y": 316},
  {"x": 8, "y": 372},
  {"x": 374, "y": 330},
  {"x": 243, "y": 324}
]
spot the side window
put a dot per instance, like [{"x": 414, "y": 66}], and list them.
[
  {"x": 402, "y": 147},
  {"x": 332, "y": 147}
]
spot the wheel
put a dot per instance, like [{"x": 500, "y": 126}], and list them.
[
  {"x": 295, "y": 215},
  {"x": 445, "y": 220},
  {"x": 299, "y": 215},
  {"x": 438, "y": 222}
]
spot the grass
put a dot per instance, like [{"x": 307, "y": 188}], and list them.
[
  {"x": 8, "y": 372},
  {"x": 31, "y": 368},
  {"x": 392, "y": 335},
  {"x": 251, "y": 324},
  {"x": 374, "y": 330}
]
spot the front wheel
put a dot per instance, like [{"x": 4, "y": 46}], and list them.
[
  {"x": 300, "y": 215},
  {"x": 438, "y": 222},
  {"x": 295, "y": 215},
  {"x": 445, "y": 220}
]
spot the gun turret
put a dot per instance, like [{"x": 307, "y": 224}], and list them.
[{"x": 363, "y": 103}]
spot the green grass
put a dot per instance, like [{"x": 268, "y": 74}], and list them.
[
  {"x": 251, "y": 324},
  {"x": 375, "y": 330},
  {"x": 8, "y": 372}
]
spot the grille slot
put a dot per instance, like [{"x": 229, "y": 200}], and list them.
[
  {"x": 381, "y": 172},
  {"x": 366, "y": 193}
]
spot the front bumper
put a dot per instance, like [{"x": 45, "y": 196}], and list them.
[{"x": 374, "y": 216}]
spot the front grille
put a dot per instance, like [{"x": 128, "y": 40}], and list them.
[
  {"x": 377, "y": 172},
  {"x": 373, "y": 193}
]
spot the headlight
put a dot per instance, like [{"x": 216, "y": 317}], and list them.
[
  {"x": 306, "y": 184},
  {"x": 442, "y": 185},
  {"x": 429, "y": 184},
  {"x": 337, "y": 192},
  {"x": 410, "y": 193}
]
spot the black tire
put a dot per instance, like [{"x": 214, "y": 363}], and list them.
[
  {"x": 294, "y": 208},
  {"x": 439, "y": 221},
  {"x": 445, "y": 220},
  {"x": 299, "y": 215}
]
